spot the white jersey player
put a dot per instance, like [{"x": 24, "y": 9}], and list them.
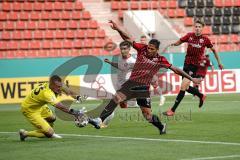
[{"x": 125, "y": 65}]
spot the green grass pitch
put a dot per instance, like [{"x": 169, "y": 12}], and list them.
[{"x": 210, "y": 133}]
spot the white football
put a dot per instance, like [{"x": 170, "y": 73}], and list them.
[{"x": 81, "y": 121}]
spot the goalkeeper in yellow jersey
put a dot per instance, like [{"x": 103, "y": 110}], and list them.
[{"x": 35, "y": 109}]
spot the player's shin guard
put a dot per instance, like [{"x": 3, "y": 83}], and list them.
[
  {"x": 194, "y": 91},
  {"x": 156, "y": 122},
  {"x": 108, "y": 110},
  {"x": 179, "y": 98}
]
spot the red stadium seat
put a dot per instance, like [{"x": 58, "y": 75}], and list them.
[
  {"x": 80, "y": 34},
  {"x": 188, "y": 21},
  {"x": 17, "y": 35},
  {"x": 59, "y": 34},
  {"x": 70, "y": 34},
  {"x": 3, "y": 16},
  {"x": 84, "y": 51},
  {"x": 20, "y": 25},
  {"x": 227, "y": 3},
  {"x": 57, "y": 44},
  {"x": 35, "y": 45},
  {"x": 24, "y": 45},
  {"x": 6, "y": 35},
  {"x": 99, "y": 43},
  {"x": 9, "y": 25},
  {"x": 13, "y": 45},
  {"x": 53, "y": 53},
  {"x": 223, "y": 39},
  {"x": 218, "y": 3},
  {"x": 171, "y": 13},
  {"x": 76, "y": 15},
  {"x": 27, "y": 6},
  {"x": 115, "y": 5},
  {"x": 93, "y": 24},
  {"x": 78, "y": 6},
  {"x": 163, "y": 4},
  {"x": 236, "y": 3},
  {"x": 83, "y": 24},
  {"x": 48, "y": 6},
  {"x": 134, "y": 5},
  {"x": 65, "y": 15},
  {"x": 27, "y": 35},
  {"x": 234, "y": 38},
  {"x": 31, "y": 25},
  {"x": 78, "y": 44},
  {"x": 42, "y": 53},
  {"x": 68, "y": 44},
  {"x": 213, "y": 39},
  {"x": 207, "y": 30},
  {"x": 13, "y": 16},
  {"x": 144, "y": 5},
  {"x": 88, "y": 43},
  {"x": 3, "y": 45},
  {"x": 45, "y": 15},
  {"x": 91, "y": 33},
  {"x": 52, "y": 25},
  {"x": 6, "y": 6},
  {"x": 16, "y": 6},
  {"x": 180, "y": 13},
  {"x": 24, "y": 16},
  {"x": 55, "y": 15},
  {"x": 62, "y": 25},
  {"x": 20, "y": 54},
  {"x": 124, "y": 5},
  {"x": 46, "y": 44},
  {"x": 172, "y": 4},
  {"x": 64, "y": 53},
  {"x": 154, "y": 5},
  {"x": 31, "y": 54},
  {"x": 38, "y": 6},
  {"x": 73, "y": 24},
  {"x": 58, "y": 6},
  {"x": 86, "y": 15},
  {"x": 9, "y": 54},
  {"x": 101, "y": 33},
  {"x": 42, "y": 25},
  {"x": 49, "y": 34},
  {"x": 35, "y": 16},
  {"x": 68, "y": 6},
  {"x": 38, "y": 34}
]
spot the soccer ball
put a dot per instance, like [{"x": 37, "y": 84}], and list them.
[{"x": 81, "y": 121}]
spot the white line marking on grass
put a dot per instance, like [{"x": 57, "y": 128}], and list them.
[
  {"x": 218, "y": 157},
  {"x": 143, "y": 139}
]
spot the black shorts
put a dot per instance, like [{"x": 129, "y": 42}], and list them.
[
  {"x": 190, "y": 69},
  {"x": 132, "y": 89}
]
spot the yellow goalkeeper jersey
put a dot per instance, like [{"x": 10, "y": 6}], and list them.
[{"x": 40, "y": 96}]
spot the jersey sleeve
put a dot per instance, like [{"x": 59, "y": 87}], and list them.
[
  {"x": 50, "y": 98},
  {"x": 138, "y": 46},
  {"x": 164, "y": 62},
  {"x": 208, "y": 43},
  {"x": 185, "y": 38}
]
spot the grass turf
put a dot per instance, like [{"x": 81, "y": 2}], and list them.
[{"x": 217, "y": 121}]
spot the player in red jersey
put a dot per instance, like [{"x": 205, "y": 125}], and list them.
[
  {"x": 195, "y": 51},
  {"x": 147, "y": 64}
]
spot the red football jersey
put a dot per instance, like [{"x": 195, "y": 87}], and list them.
[
  {"x": 146, "y": 67},
  {"x": 196, "y": 47}
]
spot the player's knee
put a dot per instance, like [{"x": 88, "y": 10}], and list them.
[
  {"x": 147, "y": 114},
  {"x": 119, "y": 97},
  {"x": 51, "y": 119}
]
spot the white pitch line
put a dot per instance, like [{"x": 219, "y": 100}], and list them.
[
  {"x": 143, "y": 139},
  {"x": 218, "y": 157}
]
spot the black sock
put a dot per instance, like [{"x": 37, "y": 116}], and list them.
[
  {"x": 156, "y": 122},
  {"x": 108, "y": 109},
  {"x": 194, "y": 91},
  {"x": 179, "y": 98}
]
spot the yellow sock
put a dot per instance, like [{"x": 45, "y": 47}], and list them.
[{"x": 35, "y": 133}]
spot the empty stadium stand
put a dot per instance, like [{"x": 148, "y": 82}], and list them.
[{"x": 35, "y": 29}]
